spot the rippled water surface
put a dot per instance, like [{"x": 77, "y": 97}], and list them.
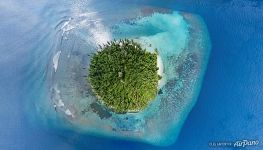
[{"x": 34, "y": 34}]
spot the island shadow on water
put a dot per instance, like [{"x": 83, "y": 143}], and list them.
[{"x": 183, "y": 44}]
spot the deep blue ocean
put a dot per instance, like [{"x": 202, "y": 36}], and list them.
[{"x": 229, "y": 107}]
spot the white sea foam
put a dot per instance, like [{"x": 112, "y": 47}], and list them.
[
  {"x": 60, "y": 103},
  {"x": 66, "y": 27},
  {"x": 92, "y": 21},
  {"x": 55, "y": 60},
  {"x": 100, "y": 34},
  {"x": 69, "y": 113}
]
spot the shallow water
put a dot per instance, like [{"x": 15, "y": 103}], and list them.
[{"x": 229, "y": 107}]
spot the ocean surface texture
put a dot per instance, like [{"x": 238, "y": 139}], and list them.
[{"x": 38, "y": 39}]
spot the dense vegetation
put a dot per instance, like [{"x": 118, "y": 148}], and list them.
[{"x": 124, "y": 76}]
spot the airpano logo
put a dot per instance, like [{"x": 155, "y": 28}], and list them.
[
  {"x": 245, "y": 143},
  {"x": 237, "y": 144}
]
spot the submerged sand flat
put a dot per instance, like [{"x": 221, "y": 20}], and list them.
[{"x": 183, "y": 46}]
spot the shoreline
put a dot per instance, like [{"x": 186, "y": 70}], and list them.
[
  {"x": 149, "y": 48},
  {"x": 160, "y": 72}
]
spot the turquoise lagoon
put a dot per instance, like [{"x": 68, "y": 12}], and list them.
[{"x": 183, "y": 45}]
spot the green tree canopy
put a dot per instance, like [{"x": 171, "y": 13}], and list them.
[{"x": 124, "y": 76}]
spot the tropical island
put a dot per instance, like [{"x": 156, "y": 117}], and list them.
[
  {"x": 111, "y": 90},
  {"x": 124, "y": 76}
]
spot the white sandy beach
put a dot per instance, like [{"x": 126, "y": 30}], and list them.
[{"x": 160, "y": 72}]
